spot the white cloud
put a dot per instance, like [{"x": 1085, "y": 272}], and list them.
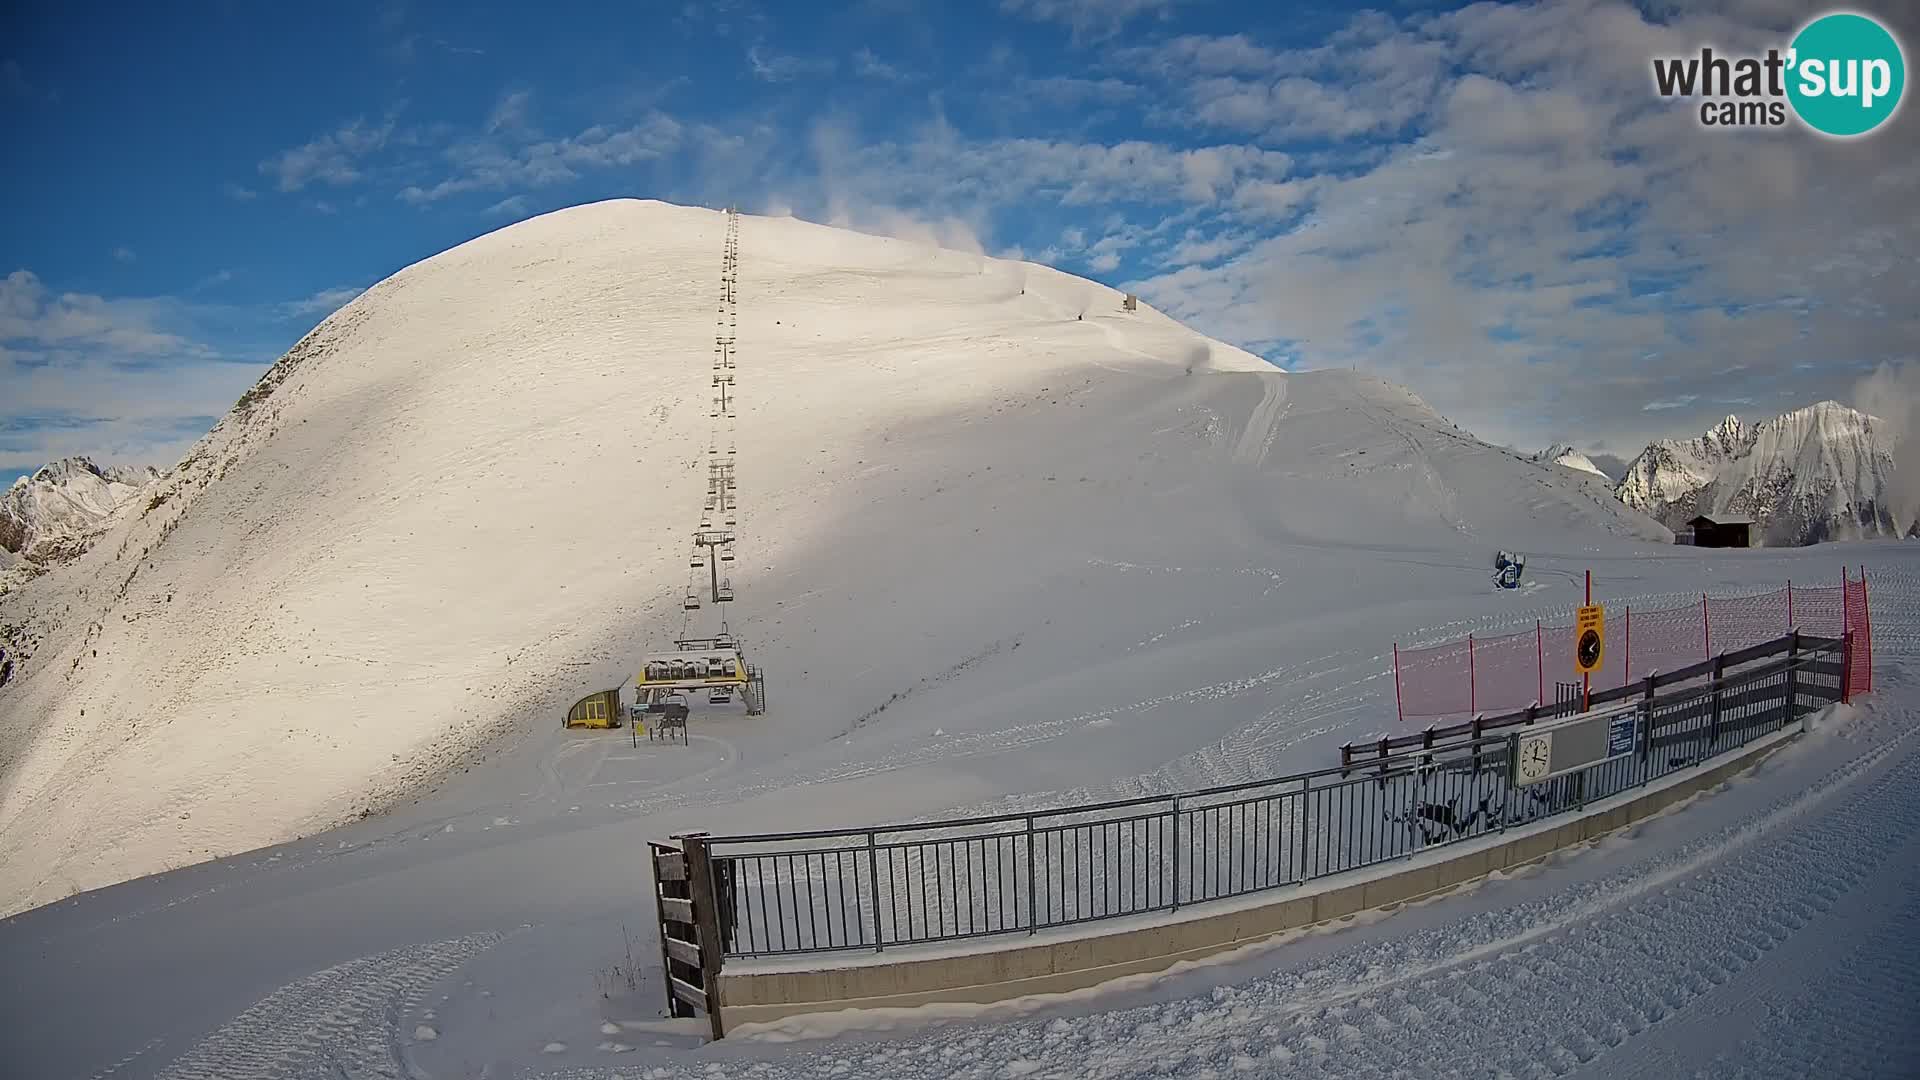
[
  {"x": 769, "y": 66},
  {"x": 33, "y": 316},
  {"x": 1892, "y": 394},
  {"x": 489, "y": 164},
  {"x": 1104, "y": 262},
  {"x": 324, "y": 302},
  {"x": 238, "y": 193},
  {"x": 512, "y": 206},
  {"x": 331, "y": 158},
  {"x": 123, "y": 254},
  {"x": 511, "y": 113},
  {"x": 1089, "y": 20},
  {"x": 1513, "y": 239},
  {"x": 868, "y": 66},
  {"x": 108, "y": 377},
  {"x": 1200, "y": 247}
]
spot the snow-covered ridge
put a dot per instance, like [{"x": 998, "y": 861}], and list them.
[
  {"x": 464, "y": 500},
  {"x": 1561, "y": 454},
  {"x": 1817, "y": 473},
  {"x": 55, "y": 513}
]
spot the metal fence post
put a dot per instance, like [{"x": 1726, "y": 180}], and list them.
[
  {"x": 1033, "y": 912},
  {"x": 1305, "y": 790},
  {"x": 706, "y": 922},
  {"x": 1646, "y": 725},
  {"x": 1793, "y": 679},
  {"x": 1713, "y": 709},
  {"x": 1176, "y": 853},
  {"x": 873, "y": 885},
  {"x": 1846, "y": 666}
]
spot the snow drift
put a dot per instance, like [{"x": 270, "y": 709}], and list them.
[{"x": 464, "y": 500}]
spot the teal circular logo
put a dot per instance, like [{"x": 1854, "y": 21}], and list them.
[{"x": 1846, "y": 74}]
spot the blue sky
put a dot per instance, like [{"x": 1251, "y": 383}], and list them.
[{"x": 1484, "y": 203}]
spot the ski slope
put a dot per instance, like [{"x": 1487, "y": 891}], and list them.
[
  {"x": 464, "y": 501},
  {"x": 1763, "y": 930}
]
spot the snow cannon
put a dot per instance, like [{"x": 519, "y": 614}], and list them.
[{"x": 1507, "y": 567}]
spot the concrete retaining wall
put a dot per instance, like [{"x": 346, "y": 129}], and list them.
[{"x": 998, "y": 969}]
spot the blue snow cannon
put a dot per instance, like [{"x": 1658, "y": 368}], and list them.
[{"x": 1507, "y": 567}]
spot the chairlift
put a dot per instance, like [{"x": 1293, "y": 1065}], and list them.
[
  {"x": 719, "y": 695},
  {"x": 698, "y": 563},
  {"x": 726, "y": 556},
  {"x": 724, "y": 592},
  {"x": 693, "y": 601}
]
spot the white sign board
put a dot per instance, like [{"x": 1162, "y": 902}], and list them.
[{"x": 1546, "y": 751}]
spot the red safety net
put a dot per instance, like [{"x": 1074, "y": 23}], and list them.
[
  {"x": 1501, "y": 674},
  {"x": 1859, "y": 621}
]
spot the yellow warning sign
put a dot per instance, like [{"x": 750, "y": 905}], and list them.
[{"x": 1589, "y": 639}]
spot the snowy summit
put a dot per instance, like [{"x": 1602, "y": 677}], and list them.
[
  {"x": 464, "y": 500},
  {"x": 1823, "y": 472}
]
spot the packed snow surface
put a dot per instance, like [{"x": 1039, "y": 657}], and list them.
[{"x": 465, "y": 500}]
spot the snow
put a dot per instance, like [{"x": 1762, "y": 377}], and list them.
[
  {"x": 463, "y": 501},
  {"x": 55, "y": 514},
  {"x": 1567, "y": 456},
  {"x": 464, "y": 504},
  {"x": 1816, "y": 473}
]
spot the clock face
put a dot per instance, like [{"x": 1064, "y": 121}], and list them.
[{"x": 1536, "y": 752}]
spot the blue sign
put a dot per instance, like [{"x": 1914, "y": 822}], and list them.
[{"x": 1620, "y": 732}]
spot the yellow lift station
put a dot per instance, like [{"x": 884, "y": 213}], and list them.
[{"x": 600, "y": 709}]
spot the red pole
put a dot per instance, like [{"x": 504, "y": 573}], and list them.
[
  {"x": 1706, "y": 628},
  {"x": 1473, "y": 689},
  {"x": 1586, "y": 680},
  {"x": 1866, "y": 619},
  {"x": 1846, "y": 604},
  {"x": 1628, "y": 676},
  {"x": 1540, "y": 662},
  {"x": 1398, "y": 709}
]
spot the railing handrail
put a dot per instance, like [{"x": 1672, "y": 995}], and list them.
[{"x": 1489, "y": 728}]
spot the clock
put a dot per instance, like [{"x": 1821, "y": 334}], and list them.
[{"x": 1533, "y": 757}]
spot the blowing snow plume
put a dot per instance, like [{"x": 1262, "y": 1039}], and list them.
[
  {"x": 1199, "y": 355},
  {"x": 1892, "y": 394}
]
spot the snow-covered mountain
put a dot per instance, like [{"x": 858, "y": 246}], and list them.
[
  {"x": 55, "y": 513},
  {"x": 1561, "y": 454},
  {"x": 466, "y": 498},
  {"x": 1817, "y": 473}
]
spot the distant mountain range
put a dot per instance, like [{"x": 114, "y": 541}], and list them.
[
  {"x": 1560, "y": 454},
  {"x": 1823, "y": 472},
  {"x": 53, "y": 515}
]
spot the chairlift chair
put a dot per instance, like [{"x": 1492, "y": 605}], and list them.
[
  {"x": 724, "y": 593},
  {"x": 719, "y": 695},
  {"x": 692, "y": 602},
  {"x": 726, "y": 556}
]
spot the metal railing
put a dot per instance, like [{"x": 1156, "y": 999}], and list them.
[{"x": 871, "y": 888}]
